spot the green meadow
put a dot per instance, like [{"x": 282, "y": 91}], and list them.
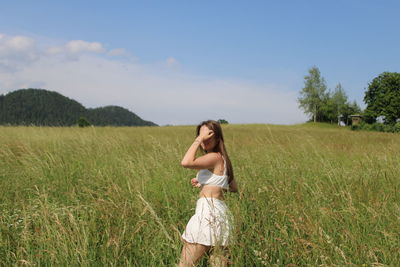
[{"x": 310, "y": 195}]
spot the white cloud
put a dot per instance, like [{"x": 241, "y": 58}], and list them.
[
  {"x": 16, "y": 51},
  {"x": 20, "y": 43},
  {"x": 54, "y": 50},
  {"x": 158, "y": 93},
  {"x": 118, "y": 52},
  {"x": 171, "y": 61},
  {"x": 78, "y": 46},
  {"x": 73, "y": 49}
]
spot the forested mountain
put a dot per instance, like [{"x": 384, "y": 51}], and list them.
[
  {"x": 48, "y": 108},
  {"x": 114, "y": 115}
]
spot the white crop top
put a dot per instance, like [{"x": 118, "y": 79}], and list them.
[{"x": 205, "y": 177}]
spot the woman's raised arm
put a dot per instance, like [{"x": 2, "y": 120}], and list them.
[
  {"x": 207, "y": 161},
  {"x": 204, "y": 162}
]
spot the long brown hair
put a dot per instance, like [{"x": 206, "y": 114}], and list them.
[{"x": 220, "y": 146}]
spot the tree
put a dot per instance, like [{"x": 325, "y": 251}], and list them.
[
  {"x": 83, "y": 122},
  {"x": 222, "y": 121},
  {"x": 339, "y": 101},
  {"x": 383, "y": 98},
  {"x": 313, "y": 95},
  {"x": 327, "y": 110}
]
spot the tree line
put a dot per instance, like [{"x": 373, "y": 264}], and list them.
[
  {"x": 382, "y": 99},
  {"x": 322, "y": 104}
]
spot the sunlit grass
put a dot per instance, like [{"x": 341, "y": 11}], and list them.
[{"x": 308, "y": 196}]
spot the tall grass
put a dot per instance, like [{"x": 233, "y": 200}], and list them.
[{"x": 309, "y": 196}]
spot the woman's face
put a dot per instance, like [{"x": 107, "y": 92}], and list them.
[{"x": 210, "y": 143}]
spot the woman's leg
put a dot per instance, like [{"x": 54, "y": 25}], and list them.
[{"x": 191, "y": 253}]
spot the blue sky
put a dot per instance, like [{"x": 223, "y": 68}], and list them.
[{"x": 181, "y": 55}]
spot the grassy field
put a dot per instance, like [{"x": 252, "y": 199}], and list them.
[{"x": 309, "y": 196}]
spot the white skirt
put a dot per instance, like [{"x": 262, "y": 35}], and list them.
[{"x": 210, "y": 225}]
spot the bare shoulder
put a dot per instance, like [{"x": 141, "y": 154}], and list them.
[
  {"x": 213, "y": 156},
  {"x": 218, "y": 161},
  {"x": 216, "y": 156}
]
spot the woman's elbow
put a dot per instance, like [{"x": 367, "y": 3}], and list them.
[{"x": 185, "y": 164}]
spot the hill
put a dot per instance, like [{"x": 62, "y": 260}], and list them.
[
  {"x": 115, "y": 115},
  {"x": 47, "y": 108}
]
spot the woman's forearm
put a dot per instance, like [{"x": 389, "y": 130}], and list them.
[{"x": 190, "y": 155}]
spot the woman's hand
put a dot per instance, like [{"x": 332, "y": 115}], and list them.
[
  {"x": 205, "y": 134},
  {"x": 195, "y": 182},
  {"x": 207, "y": 161}
]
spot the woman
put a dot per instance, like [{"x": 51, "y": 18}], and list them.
[{"x": 211, "y": 224}]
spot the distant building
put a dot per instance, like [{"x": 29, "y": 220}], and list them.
[{"x": 356, "y": 119}]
